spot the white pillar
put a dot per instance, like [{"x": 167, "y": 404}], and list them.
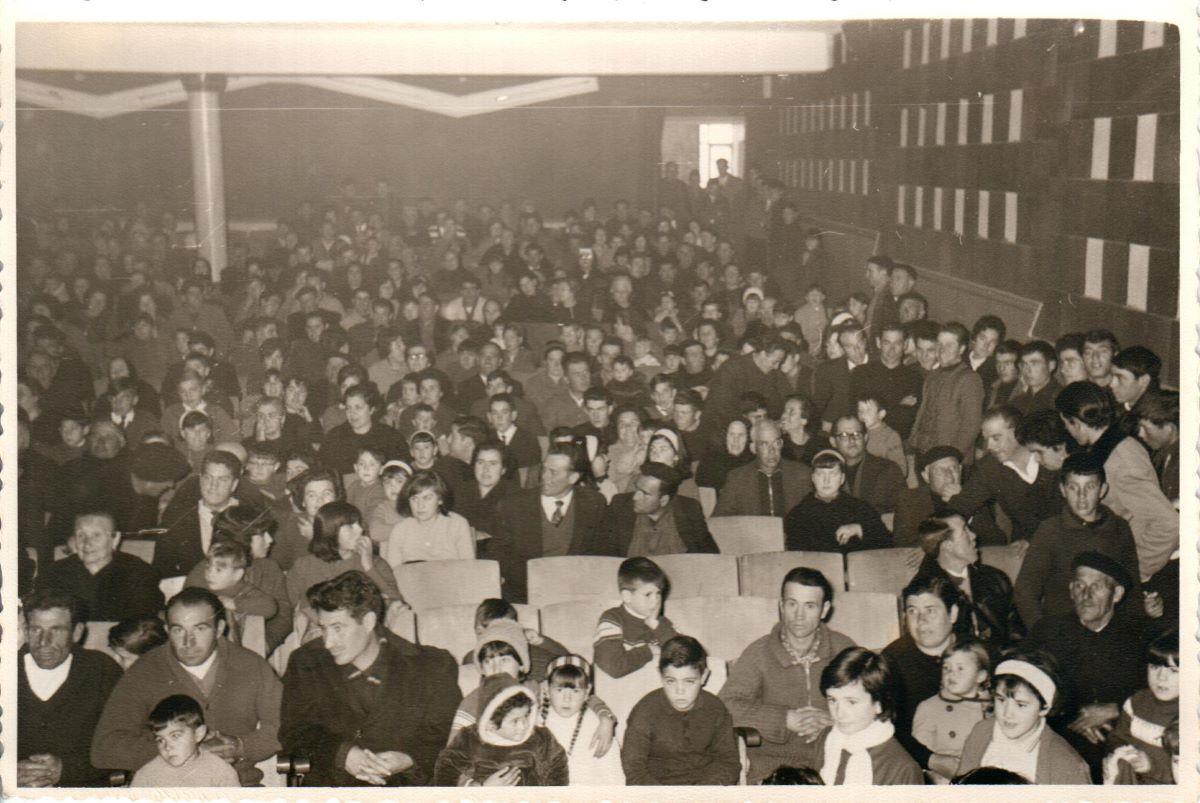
[{"x": 208, "y": 177}]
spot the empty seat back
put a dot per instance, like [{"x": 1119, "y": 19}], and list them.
[
  {"x": 708, "y": 500},
  {"x": 1006, "y": 558},
  {"x": 724, "y": 625},
  {"x": 140, "y": 547},
  {"x": 573, "y": 623},
  {"x": 571, "y": 577},
  {"x": 700, "y": 575},
  {"x": 745, "y": 535},
  {"x": 453, "y": 627},
  {"x": 885, "y": 570},
  {"x": 171, "y": 586},
  {"x": 435, "y": 583},
  {"x": 402, "y": 621},
  {"x": 761, "y": 574},
  {"x": 871, "y": 618}
]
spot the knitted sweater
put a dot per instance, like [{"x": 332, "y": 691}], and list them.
[
  {"x": 1057, "y": 762},
  {"x": 664, "y": 746},
  {"x": 1143, "y": 718},
  {"x": 623, "y": 640}
]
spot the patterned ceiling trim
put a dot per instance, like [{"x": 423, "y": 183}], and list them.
[{"x": 166, "y": 93}]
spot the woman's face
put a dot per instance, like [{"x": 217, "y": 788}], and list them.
[
  {"x": 627, "y": 428},
  {"x": 566, "y": 700},
  {"x": 316, "y": 494},
  {"x": 736, "y": 438},
  {"x": 852, "y": 708},
  {"x": 424, "y": 504},
  {"x": 661, "y": 451},
  {"x": 295, "y": 395}
]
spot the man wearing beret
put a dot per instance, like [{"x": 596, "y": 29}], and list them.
[
  {"x": 1100, "y": 648},
  {"x": 154, "y": 470}
]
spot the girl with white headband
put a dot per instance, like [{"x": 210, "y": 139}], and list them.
[
  {"x": 1024, "y": 692},
  {"x": 667, "y": 447}
]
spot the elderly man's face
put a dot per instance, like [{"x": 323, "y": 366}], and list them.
[
  {"x": 50, "y": 636},
  {"x": 1094, "y": 595},
  {"x": 105, "y": 440},
  {"x": 647, "y": 495},
  {"x": 768, "y": 446},
  {"x": 943, "y": 474}
]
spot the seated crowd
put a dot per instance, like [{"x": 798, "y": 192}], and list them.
[{"x": 383, "y": 384}]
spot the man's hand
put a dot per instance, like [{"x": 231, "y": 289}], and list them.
[
  {"x": 950, "y": 491},
  {"x": 604, "y": 736},
  {"x": 507, "y": 776},
  {"x": 808, "y": 722},
  {"x": 909, "y": 401},
  {"x": 394, "y": 760},
  {"x": 39, "y": 771},
  {"x": 1095, "y": 721},
  {"x": 944, "y": 765},
  {"x": 221, "y": 746},
  {"x": 366, "y": 766},
  {"x": 1152, "y": 602},
  {"x": 846, "y": 532},
  {"x": 366, "y": 557}
]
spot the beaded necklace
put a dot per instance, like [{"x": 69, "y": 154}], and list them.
[{"x": 578, "y": 721}]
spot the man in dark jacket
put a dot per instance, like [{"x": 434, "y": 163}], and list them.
[
  {"x": 57, "y": 712},
  {"x": 559, "y": 518},
  {"x": 363, "y": 705},
  {"x": 986, "y": 610},
  {"x": 653, "y": 519},
  {"x": 874, "y": 480}
]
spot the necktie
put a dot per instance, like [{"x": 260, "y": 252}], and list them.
[{"x": 558, "y": 516}]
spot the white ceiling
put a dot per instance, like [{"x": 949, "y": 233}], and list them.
[{"x": 427, "y": 49}]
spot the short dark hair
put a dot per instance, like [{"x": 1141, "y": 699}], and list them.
[
  {"x": 690, "y": 398},
  {"x": 1098, "y": 336},
  {"x": 959, "y": 331},
  {"x": 1040, "y": 347},
  {"x": 668, "y": 477},
  {"x": 315, "y": 473},
  {"x": 639, "y": 570},
  {"x": 178, "y": 709},
  {"x": 1139, "y": 361},
  {"x": 351, "y": 591},
  {"x": 986, "y": 322},
  {"x": 1082, "y": 464},
  {"x": 806, "y": 576},
  {"x": 1086, "y": 402},
  {"x": 1044, "y": 428},
  {"x": 195, "y": 595},
  {"x": 873, "y": 670},
  {"x": 424, "y": 481},
  {"x": 138, "y": 636},
  {"x": 683, "y": 651},
  {"x": 1071, "y": 341},
  {"x": 934, "y": 531},
  {"x": 1159, "y": 407},
  {"x": 222, "y": 458},
  {"x": 793, "y": 776},
  {"x": 1164, "y": 649},
  {"x": 470, "y": 426},
  {"x": 494, "y": 608},
  {"x": 935, "y": 584},
  {"x": 49, "y": 598},
  {"x": 904, "y": 267}
]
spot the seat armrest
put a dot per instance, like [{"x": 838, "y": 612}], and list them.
[{"x": 749, "y": 735}]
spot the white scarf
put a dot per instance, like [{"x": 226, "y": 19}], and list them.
[{"x": 858, "y": 769}]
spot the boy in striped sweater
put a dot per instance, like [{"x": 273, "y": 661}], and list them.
[{"x": 631, "y": 635}]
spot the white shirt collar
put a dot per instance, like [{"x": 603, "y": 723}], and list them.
[
  {"x": 45, "y": 683},
  {"x": 507, "y": 434},
  {"x": 200, "y": 670},
  {"x": 548, "y": 503},
  {"x": 1028, "y": 472}
]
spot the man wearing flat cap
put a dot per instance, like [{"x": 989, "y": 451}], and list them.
[
  {"x": 1100, "y": 648},
  {"x": 940, "y": 469},
  {"x": 154, "y": 470}
]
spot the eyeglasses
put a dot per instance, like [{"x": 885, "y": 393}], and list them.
[{"x": 849, "y": 436}]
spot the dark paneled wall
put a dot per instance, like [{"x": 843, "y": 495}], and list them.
[
  {"x": 1039, "y": 157},
  {"x": 284, "y": 143}
]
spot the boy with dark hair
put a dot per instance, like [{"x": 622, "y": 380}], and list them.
[
  {"x": 680, "y": 734},
  {"x": 178, "y": 725},
  {"x": 630, "y": 636},
  {"x": 1042, "y": 586},
  {"x": 225, "y": 575},
  {"x": 1043, "y": 434}
]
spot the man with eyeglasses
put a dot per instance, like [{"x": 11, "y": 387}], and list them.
[
  {"x": 876, "y": 481},
  {"x": 770, "y": 486},
  {"x": 1100, "y": 648},
  {"x": 238, "y": 690}
]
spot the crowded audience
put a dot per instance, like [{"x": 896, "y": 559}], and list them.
[{"x": 230, "y": 483}]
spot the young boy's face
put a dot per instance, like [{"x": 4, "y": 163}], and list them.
[
  {"x": 672, "y": 363},
  {"x": 260, "y": 545},
  {"x": 682, "y": 685},
  {"x": 500, "y": 665},
  {"x": 424, "y": 421},
  {"x": 1083, "y": 493},
  {"x": 178, "y": 742},
  {"x": 621, "y": 371},
  {"x": 261, "y": 468},
  {"x": 367, "y": 468},
  {"x": 1163, "y": 682},
  {"x": 220, "y": 574},
  {"x": 815, "y": 298},
  {"x": 827, "y": 481},
  {"x": 423, "y": 453},
  {"x": 644, "y": 599},
  {"x": 869, "y": 413},
  {"x": 197, "y": 438},
  {"x": 515, "y": 723},
  {"x": 566, "y": 700}
]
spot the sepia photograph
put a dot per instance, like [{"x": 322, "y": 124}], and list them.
[{"x": 598, "y": 406}]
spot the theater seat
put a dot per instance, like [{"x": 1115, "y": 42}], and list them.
[
  {"x": 254, "y": 634},
  {"x": 571, "y": 577},
  {"x": 708, "y": 500},
  {"x": 96, "y": 637},
  {"x": 401, "y": 620},
  {"x": 435, "y": 583},
  {"x": 468, "y": 678},
  {"x": 886, "y": 570},
  {"x": 724, "y": 625},
  {"x": 171, "y": 586},
  {"x": 573, "y": 623},
  {"x": 746, "y": 535},
  {"x": 141, "y": 548},
  {"x": 623, "y": 693},
  {"x": 1007, "y": 559},
  {"x": 453, "y": 627},
  {"x": 700, "y": 575},
  {"x": 761, "y": 574},
  {"x": 871, "y": 618}
]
